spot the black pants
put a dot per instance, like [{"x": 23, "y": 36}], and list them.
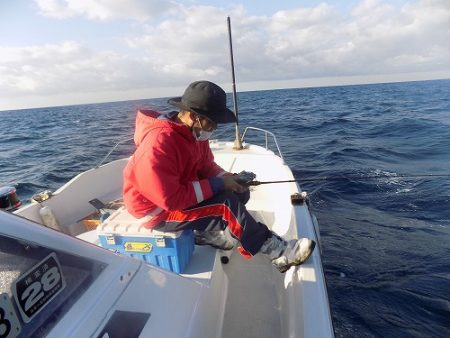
[{"x": 223, "y": 210}]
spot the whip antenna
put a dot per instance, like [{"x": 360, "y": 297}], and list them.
[{"x": 237, "y": 141}]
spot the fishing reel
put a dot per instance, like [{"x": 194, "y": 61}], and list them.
[{"x": 246, "y": 177}]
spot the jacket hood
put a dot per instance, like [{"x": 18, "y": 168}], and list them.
[{"x": 146, "y": 120}]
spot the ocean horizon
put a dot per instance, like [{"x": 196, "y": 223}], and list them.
[{"x": 228, "y": 93}]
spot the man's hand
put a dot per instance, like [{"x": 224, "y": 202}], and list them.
[
  {"x": 245, "y": 177},
  {"x": 230, "y": 183}
]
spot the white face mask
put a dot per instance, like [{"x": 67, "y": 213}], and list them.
[{"x": 203, "y": 135}]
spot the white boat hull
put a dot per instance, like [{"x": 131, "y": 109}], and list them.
[{"x": 245, "y": 298}]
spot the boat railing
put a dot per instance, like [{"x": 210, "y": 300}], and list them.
[
  {"x": 266, "y": 137},
  {"x": 114, "y": 148}
]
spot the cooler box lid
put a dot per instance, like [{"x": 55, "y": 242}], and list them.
[{"x": 123, "y": 223}]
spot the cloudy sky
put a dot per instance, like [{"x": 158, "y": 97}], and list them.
[{"x": 58, "y": 52}]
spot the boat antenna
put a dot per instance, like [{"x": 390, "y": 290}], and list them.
[{"x": 237, "y": 141}]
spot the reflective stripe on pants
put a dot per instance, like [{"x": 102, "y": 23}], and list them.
[{"x": 218, "y": 212}]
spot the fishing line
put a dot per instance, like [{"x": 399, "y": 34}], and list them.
[{"x": 339, "y": 178}]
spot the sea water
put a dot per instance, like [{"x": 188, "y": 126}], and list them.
[{"x": 385, "y": 236}]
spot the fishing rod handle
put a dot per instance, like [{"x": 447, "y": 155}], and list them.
[{"x": 253, "y": 183}]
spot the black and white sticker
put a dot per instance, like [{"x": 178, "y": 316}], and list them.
[
  {"x": 9, "y": 323},
  {"x": 38, "y": 286}
]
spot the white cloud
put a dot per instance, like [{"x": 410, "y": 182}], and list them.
[
  {"x": 193, "y": 45},
  {"x": 302, "y": 18},
  {"x": 105, "y": 9},
  {"x": 68, "y": 67},
  {"x": 412, "y": 38},
  {"x": 190, "y": 42},
  {"x": 377, "y": 38}
]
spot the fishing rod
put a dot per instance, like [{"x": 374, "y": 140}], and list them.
[{"x": 338, "y": 178}]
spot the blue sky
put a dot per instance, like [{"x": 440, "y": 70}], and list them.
[{"x": 57, "y": 52}]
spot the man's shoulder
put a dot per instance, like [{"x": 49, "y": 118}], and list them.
[
  {"x": 165, "y": 133},
  {"x": 149, "y": 113}
]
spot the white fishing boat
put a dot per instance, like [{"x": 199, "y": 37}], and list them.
[{"x": 54, "y": 284}]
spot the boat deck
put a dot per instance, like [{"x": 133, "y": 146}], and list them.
[{"x": 253, "y": 307}]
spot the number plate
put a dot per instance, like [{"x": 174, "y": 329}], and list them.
[{"x": 36, "y": 288}]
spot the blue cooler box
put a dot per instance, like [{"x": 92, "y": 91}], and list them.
[{"x": 121, "y": 232}]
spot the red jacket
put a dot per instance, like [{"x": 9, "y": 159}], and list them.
[{"x": 169, "y": 169}]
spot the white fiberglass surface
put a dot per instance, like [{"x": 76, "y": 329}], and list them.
[
  {"x": 272, "y": 199},
  {"x": 254, "y": 303},
  {"x": 43, "y": 282},
  {"x": 253, "y": 306}
]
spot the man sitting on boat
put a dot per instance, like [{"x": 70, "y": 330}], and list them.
[{"x": 173, "y": 181}]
